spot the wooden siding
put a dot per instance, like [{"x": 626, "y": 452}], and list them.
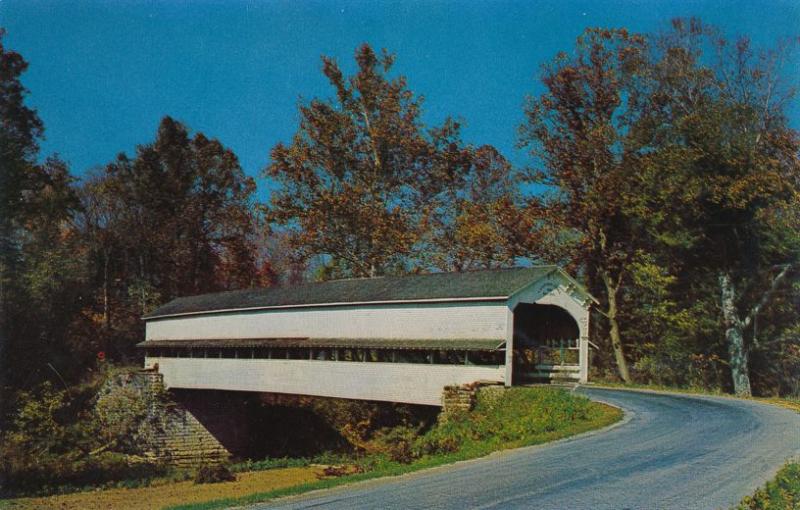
[
  {"x": 409, "y": 321},
  {"x": 391, "y": 382}
]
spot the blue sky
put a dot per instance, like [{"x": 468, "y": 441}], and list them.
[{"x": 102, "y": 74}]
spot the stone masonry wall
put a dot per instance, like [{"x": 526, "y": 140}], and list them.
[
  {"x": 169, "y": 431},
  {"x": 462, "y": 399}
]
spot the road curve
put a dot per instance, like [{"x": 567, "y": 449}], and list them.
[{"x": 672, "y": 452}]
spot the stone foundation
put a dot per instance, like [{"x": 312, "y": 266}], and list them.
[
  {"x": 462, "y": 399},
  {"x": 169, "y": 431}
]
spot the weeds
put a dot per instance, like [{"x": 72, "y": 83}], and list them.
[{"x": 781, "y": 493}]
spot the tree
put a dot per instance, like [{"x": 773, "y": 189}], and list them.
[
  {"x": 732, "y": 162},
  {"x": 474, "y": 213},
  {"x": 49, "y": 284},
  {"x": 580, "y": 133},
  {"x": 101, "y": 209},
  {"x": 19, "y": 134},
  {"x": 362, "y": 180},
  {"x": 349, "y": 172},
  {"x": 178, "y": 219},
  {"x": 20, "y": 131},
  {"x": 40, "y": 266}
]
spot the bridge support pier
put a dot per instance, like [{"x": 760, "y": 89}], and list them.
[{"x": 178, "y": 428}]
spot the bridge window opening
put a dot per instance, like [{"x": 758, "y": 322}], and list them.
[
  {"x": 344, "y": 354},
  {"x": 277, "y": 353},
  {"x": 323, "y": 354},
  {"x": 382, "y": 355},
  {"x": 450, "y": 357},
  {"x": 411, "y": 357},
  {"x": 298, "y": 354},
  {"x": 487, "y": 357}
]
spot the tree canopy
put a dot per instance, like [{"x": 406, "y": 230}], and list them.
[{"x": 364, "y": 181}]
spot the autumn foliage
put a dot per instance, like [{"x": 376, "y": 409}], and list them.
[
  {"x": 662, "y": 171},
  {"x": 366, "y": 189}
]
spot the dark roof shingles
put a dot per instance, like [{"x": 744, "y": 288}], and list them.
[{"x": 468, "y": 284}]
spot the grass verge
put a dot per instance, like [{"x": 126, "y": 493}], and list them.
[
  {"x": 521, "y": 417},
  {"x": 167, "y": 493}
]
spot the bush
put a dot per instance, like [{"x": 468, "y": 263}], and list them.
[
  {"x": 782, "y": 493},
  {"x": 58, "y": 441},
  {"x": 214, "y": 473},
  {"x": 48, "y": 474},
  {"x": 397, "y": 443},
  {"x": 433, "y": 444}
]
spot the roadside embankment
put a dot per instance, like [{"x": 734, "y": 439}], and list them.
[{"x": 499, "y": 420}]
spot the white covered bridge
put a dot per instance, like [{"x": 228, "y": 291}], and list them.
[{"x": 397, "y": 339}]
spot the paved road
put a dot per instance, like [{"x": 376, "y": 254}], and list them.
[{"x": 672, "y": 452}]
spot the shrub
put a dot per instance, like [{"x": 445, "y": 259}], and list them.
[
  {"x": 48, "y": 474},
  {"x": 214, "y": 473},
  {"x": 341, "y": 470},
  {"x": 433, "y": 444},
  {"x": 397, "y": 443},
  {"x": 781, "y": 493},
  {"x": 58, "y": 441}
]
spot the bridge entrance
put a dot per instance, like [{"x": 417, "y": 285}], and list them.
[{"x": 546, "y": 344}]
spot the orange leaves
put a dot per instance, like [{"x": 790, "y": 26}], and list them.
[{"x": 363, "y": 177}]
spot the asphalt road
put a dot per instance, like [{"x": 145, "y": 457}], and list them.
[{"x": 671, "y": 452}]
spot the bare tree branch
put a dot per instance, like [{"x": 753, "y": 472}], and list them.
[{"x": 767, "y": 295}]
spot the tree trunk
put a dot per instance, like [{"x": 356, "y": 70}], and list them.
[
  {"x": 143, "y": 301},
  {"x": 734, "y": 336},
  {"x": 106, "y": 316},
  {"x": 616, "y": 340}
]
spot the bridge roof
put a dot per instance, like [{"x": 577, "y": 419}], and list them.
[
  {"x": 362, "y": 343},
  {"x": 485, "y": 285}
]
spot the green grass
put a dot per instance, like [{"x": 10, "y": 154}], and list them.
[
  {"x": 286, "y": 462},
  {"x": 781, "y": 493},
  {"x": 659, "y": 387},
  {"x": 522, "y": 417}
]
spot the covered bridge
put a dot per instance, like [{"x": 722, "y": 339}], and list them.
[{"x": 397, "y": 339}]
